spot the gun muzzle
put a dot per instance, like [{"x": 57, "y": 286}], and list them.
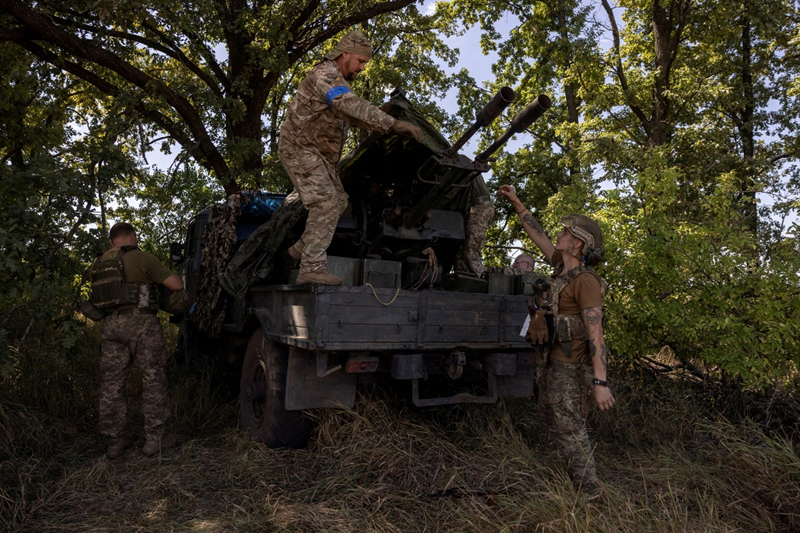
[
  {"x": 529, "y": 115},
  {"x": 485, "y": 116},
  {"x": 520, "y": 123}
]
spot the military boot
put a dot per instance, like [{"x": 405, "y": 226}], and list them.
[
  {"x": 589, "y": 487},
  {"x": 320, "y": 277},
  {"x": 116, "y": 447},
  {"x": 153, "y": 445},
  {"x": 295, "y": 251}
]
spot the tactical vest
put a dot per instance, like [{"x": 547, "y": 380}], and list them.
[
  {"x": 564, "y": 328},
  {"x": 111, "y": 291}
]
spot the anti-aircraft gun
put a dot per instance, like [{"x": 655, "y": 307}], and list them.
[{"x": 403, "y": 312}]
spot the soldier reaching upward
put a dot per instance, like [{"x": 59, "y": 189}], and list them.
[
  {"x": 574, "y": 363},
  {"x": 311, "y": 141}
]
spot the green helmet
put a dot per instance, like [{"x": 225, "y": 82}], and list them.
[{"x": 587, "y": 230}]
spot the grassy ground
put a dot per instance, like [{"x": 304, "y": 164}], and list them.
[{"x": 669, "y": 461}]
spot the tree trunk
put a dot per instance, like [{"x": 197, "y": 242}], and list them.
[
  {"x": 658, "y": 128},
  {"x": 745, "y": 125}
]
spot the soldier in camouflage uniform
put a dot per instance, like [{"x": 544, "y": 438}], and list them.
[
  {"x": 131, "y": 331},
  {"x": 310, "y": 146},
  {"x": 478, "y": 220},
  {"x": 573, "y": 369}
]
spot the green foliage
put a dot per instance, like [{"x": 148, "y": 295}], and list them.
[
  {"x": 215, "y": 77},
  {"x": 674, "y": 124},
  {"x": 716, "y": 294},
  {"x": 671, "y": 135}
]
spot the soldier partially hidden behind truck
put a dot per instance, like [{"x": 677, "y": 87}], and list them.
[
  {"x": 567, "y": 328},
  {"x": 310, "y": 146},
  {"x": 125, "y": 286}
]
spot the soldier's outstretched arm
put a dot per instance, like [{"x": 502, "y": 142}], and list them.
[
  {"x": 529, "y": 224},
  {"x": 593, "y": 319},
  {"x": 357, "y": 111},
  {"x": 361, "y": 113}
]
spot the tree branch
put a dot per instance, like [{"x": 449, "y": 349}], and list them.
[
  {"x": 110, "y": 89},
  {"x": 51, "y": 33},
  {"x": 305, "y": 46},
  {"x": 620, "y": 71}
]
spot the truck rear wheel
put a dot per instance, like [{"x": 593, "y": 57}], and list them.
[{"x": 262, "y": 396}]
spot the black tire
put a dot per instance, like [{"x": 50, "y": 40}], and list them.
[{"x": 262, "y": 396}]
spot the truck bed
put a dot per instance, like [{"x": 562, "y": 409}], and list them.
[{"x": 322, "y": 318}]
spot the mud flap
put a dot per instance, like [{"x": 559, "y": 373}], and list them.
[
  {"x": 306, "y": 390},
  {"x": 520, "y": 384}
]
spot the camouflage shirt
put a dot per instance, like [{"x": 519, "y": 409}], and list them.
[{"x": 318, "y": 114}]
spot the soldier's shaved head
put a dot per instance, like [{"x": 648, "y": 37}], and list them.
[{"x": 120, "y": 229}]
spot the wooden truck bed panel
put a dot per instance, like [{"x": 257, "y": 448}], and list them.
[{"x": 353, "y": 318}]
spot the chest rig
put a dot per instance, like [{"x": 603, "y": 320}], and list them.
[
  {"x": 111, "y": 290},
  {"x": 547, "y": 324}
]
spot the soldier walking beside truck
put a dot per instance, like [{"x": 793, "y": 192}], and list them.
[
  {"x": 566, "y": 326},
  {"x": 125, "y": 286},
  {"x": 311, "y": 142}
]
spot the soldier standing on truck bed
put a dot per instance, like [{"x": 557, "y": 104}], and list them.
[
  {"x": 574, "y": 358},
  {"x": 125, "y": 284},
  {"x": 310, "y": 146}
]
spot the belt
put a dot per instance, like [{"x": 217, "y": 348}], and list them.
[
  {"x": 562, "y": 367},
  {"x": 134, "y": 311}
]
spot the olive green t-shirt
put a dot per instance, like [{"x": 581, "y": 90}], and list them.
[
  {"x": 140, "y": 267},
  {"x": 583, "y": 292}
]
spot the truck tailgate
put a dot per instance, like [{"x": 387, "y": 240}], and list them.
[{"x": 356, "y": 318}]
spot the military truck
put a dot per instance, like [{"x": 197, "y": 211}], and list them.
[{"x": 403, "y": 311}]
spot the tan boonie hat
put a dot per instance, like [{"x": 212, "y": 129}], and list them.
[
  {"x": 353, "y": 43},
  {"x": 585, "y": 229}
]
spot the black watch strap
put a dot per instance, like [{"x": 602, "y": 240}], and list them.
[{"x": 600, "y": 382}]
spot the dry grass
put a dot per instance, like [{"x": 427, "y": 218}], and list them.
[{"x": 669, "y": 466}]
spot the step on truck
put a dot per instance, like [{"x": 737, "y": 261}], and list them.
[{"x": 403, "y": 312}]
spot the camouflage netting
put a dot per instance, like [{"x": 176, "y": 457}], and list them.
[
  {"x": 219, "y": 244},
  {"x": 254, "y": 259}
]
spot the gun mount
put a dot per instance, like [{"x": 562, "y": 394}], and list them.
[{"x": 419, "y": 193}]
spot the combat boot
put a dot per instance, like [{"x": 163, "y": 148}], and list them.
[
  {"x": 153, "y": 445},
  {"x": 590, "y": 489},
  {"x": 116, "y": 447},
  {"x": 295, "y": 252},
  {"x": 321, "y": 277}
]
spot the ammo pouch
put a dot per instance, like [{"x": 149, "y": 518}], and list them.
[
  {"x": 571, "y": 328},
  {"x": 89, "y": 310},
  {"x": 541, "y": 332},
  {"x": 110, "y": 290}
]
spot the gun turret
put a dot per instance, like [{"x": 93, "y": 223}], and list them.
[{"x": 454, "y": 170}]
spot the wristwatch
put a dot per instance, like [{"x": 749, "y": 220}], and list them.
[{"x": 600, "y": 382}]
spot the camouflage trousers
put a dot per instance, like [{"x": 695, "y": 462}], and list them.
[
  {"x": 469, "y": 256},
  {"x": 126, "y": 339},
  {"x": 565, "y": 397},
  {"x": 322, "y": 195}
]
